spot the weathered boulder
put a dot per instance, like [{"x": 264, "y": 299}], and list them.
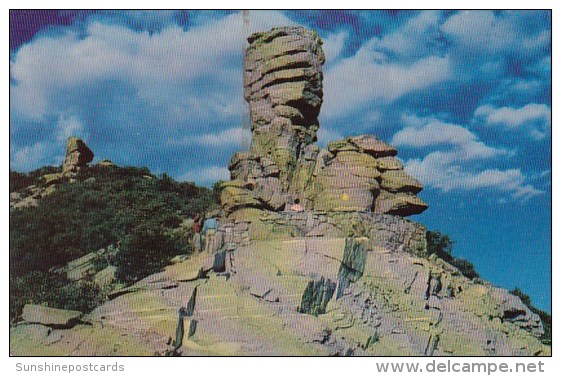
[
  {"x": 269, "y": 192},
  {"x": 372, "y": 145},
  {"x": 341, "y": 145},
  {"x": 337, "y": 176},
  {"x": 511, "y": 309},
  {"x": 50, "y": 179},
  {"x": 235, "y": 194},
  {"x": 78, "y": 155},
  {"x": 367, "y": 144},
  {"x": 106, "y": 163},
  {"x": 402, "y": 204},
  {"x": 389, "y": 163},
  {"x": 364, "y": 163},
  {"x": 344, "y": 200},
  {"x": 256, "y": 183},
  {"x": 348, "y": 183},
  {"x": 87, "y": 266},
  {"x": 269, "y": 167},
  {"x": 37, "y": 332},
  {"x": 263, "y": 193},
  {"x": 400, "y": 181},
  {"x": 105, "y": 278},
  {"x": 245, "y": 166},
  {"x": 52, "y": 317}
]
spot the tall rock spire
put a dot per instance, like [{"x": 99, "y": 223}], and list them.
[
  {"x": 283, "y": 87},
  {"x": 78, "y": 155}
]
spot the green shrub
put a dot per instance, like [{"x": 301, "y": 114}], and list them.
[
  {"x": 106, "y": 205},
  {"x": 19, "y": 181},
  {"x": 88, "y": 215},
  {"x": 466, "y": 267},
  {"x": 53, "y": 290},
  {"x": 143, "y": 252},
  {"x": 441, "y": 245},
  {"x": 36, "y": 174}
]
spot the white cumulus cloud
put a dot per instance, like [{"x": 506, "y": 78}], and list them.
[
  {"x": 116, "y": 85},
  {"x": 533, "y": 116},
  {"x": 229, "y": 137},
  {"x": 367, "y": 78},
  {"x": 69, "y": 126},
  {"x": 333, "y": 45},
  {"x": 453, "y": 166},
  {"x": 29, "y": 156},
  {"x": 438, "y": 171},
  {"x": 486, "y": 32},
  {"x": 462, "y": 144},
  {"x": 415, "y": 38}
]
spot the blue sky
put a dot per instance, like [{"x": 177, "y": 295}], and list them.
[{"x": 465, "y": 96}]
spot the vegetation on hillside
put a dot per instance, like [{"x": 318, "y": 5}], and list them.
[
  {"x": 441, "y": 245},
  {"x": 107, "y": 205},
  {"x": 19, "y": 181}
]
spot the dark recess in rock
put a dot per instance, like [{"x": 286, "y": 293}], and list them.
[{"x": 316, "y": 296}]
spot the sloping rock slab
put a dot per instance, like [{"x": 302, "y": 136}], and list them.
[{"x": 51, "y": 317}]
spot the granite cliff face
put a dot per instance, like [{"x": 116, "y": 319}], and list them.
[{"x": 283, "y": 86}]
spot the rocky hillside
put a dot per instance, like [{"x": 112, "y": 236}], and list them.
[
  {"x": 75, "y": 231},
  {"x": 280, "y": 283},
  {"x": 312, "y": 253},
  {"x": 284, "y": 297}
]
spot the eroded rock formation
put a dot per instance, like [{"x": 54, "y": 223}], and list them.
[
  {"x": 283, "y": 86},
  {"x": 78, "y": 155}
]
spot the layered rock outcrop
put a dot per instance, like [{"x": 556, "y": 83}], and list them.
[
  {"x": 283, "y": 86},
  {"x": 363, "y": 174},
  {"x": 76, "y": 160},
  {"x": 279, "y": 298},
  {"x": 78, "y": 155},
  {"x": 56, "y": 318}
]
